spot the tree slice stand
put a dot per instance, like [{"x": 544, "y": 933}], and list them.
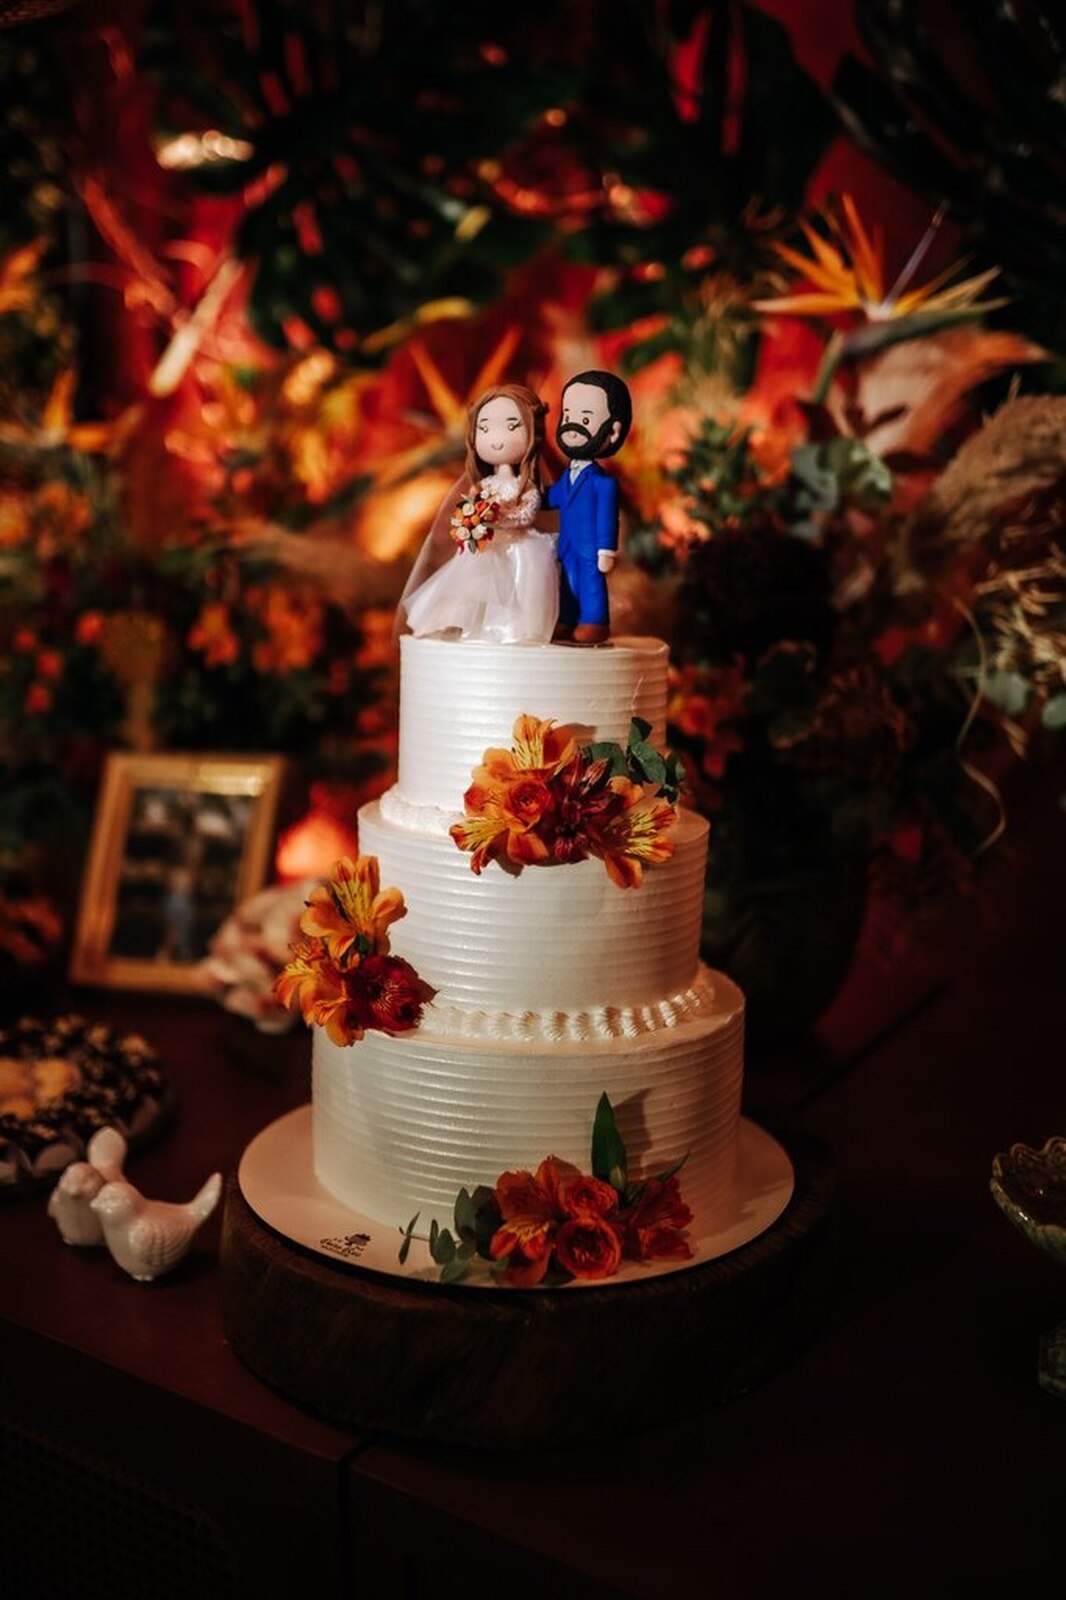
[{"x": 520, "y": 1369}]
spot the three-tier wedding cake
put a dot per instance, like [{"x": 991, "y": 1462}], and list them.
[{"x": 553, "y": 984}]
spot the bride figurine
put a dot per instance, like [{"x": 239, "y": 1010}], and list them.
[{"x": 486, "y": 571}]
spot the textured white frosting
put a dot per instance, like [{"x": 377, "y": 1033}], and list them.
[
  {"x": 557, "y": 938},
  {"x": 402, "y": 1124},
  {"x": 459, "y": 698}
]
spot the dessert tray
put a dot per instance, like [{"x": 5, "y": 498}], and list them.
[{"x": 277, "y": 1179}]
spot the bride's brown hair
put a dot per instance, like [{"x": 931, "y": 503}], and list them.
[{"x": 533, "y": 411}]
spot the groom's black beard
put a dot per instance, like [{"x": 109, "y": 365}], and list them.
[{"x": 592, "y": 444}]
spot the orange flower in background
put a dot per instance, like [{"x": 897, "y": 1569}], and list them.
[
  {"x": 703, "y": 702},
  {"x": 17, "y": 289},
  {"x": 50, "y": 665},
  {"x": 89, "y": 627},
  {"x": 293, "y": 621},
  {"x": 351, "y": 912},
  {"x": 213, "y": 636},
  {"x": 61, "y": 516},
  {"x": 14, "y": 521},
  {"x": 38, "y": 699},
  {"x": 847, "y": 272}
]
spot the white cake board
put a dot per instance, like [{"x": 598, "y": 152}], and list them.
[{"x": 277, "y": 1179}]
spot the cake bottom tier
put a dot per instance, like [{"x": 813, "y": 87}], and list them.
[{"x": 401, "y": 1124}]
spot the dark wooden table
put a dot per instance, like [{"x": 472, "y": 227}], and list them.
[{"x": 907, "y": 1452}]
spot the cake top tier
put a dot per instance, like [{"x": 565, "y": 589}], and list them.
[{"x": 458, "y": 699}]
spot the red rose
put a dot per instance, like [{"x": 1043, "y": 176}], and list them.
[
  {"x": 386, "y": 992},
  {"x": 589, "y": 1247},
  {"x": 527, "y": 800},
  {"x": 654, "y": 1224},
  {"x": 589, "y": 1197}
]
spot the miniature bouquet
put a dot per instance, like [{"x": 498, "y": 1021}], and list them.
[{"x": 473, "y": 522}]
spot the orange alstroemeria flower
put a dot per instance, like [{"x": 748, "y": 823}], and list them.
[
  {"x": 635, "y": 835},
  {"x": 297, "y": 983},
  {"x": 482, "y": 835},
  {"x": 312, "y": 985},
  {"x": 538, "y": 747},
  {"x": 351, "y": 912},
  {"x": 213, "y": 636},
  {"x": 531, "y": 1205}
]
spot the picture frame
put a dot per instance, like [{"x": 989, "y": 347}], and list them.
[{"x": 179, "y": 840}]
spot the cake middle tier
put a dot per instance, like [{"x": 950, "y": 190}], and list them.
[{"x": 547, "y": 939}]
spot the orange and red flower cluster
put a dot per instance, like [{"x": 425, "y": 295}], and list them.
[
  {"x": 561, "y": 1220},
  {"x": 341, "y": 976},
  {"x": 557, "y": 1223},
  {"x": 473, "y": 522},
  {"x": 546, "y": 801}
]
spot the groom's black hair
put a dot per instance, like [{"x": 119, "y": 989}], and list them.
[{"x": 619, "y": 402}]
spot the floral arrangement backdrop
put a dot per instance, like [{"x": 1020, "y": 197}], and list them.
[{"x": 254, "y": 258}]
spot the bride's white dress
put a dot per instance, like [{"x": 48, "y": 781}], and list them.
[{"x": 507, "y": 592}]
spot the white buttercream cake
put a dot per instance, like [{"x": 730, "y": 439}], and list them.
[{"x": 553, "y": 985}]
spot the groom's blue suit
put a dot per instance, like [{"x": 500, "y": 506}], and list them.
[{"x": 588, "y": 523}]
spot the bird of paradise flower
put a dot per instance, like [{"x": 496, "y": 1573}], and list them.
[{"x": 848, "y": 278}]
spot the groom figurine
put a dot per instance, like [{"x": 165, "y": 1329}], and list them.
[{"x": 594, "y": 421}]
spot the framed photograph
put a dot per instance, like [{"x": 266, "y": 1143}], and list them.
[{"x": 178, "y": 842}]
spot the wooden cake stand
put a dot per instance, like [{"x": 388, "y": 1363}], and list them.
[{"x": 508, "y": 1368}]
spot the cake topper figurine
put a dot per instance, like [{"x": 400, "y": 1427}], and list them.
[
  {"x": 594, "y": 421},
  {"x": 486, "y": 571}
]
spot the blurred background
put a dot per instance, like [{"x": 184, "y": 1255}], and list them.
[{"x": 257, "y": 256}]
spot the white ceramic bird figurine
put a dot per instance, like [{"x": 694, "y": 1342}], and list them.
[
  {"x": 70, "y": 1203},
  {"x": 148, "y": 1237}
]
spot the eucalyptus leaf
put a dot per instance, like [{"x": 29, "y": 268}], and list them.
[
  {"x": 649, "y": 762},
  {"x": 408, "y": 1234},
  {"x": 442, "y": 1249},
  {"x": 451, "y": 1271},
  {"x": 465, "y": 1218}
]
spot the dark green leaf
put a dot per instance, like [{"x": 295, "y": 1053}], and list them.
[
  {"x": 408, "y": 1233},
  {"x": 608, "y": 1151}
]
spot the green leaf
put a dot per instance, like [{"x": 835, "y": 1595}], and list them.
[
  {"x": 407, "y": 1236},
  {"x": 434, "y": 1232},
  {"x": 607, "y": 750},
  {"x": 451, "y": 1271},
  {"x": 442, "y": 1248},
  {"x": 671, "y": 1172},
  {"x": 649, "y": 763},
  {"x": 638, "y": 730},
  {"x": 1054, "y": 712},
  {"x": 608, "y": 1151},
  {"x": 465, "y": 1218}
]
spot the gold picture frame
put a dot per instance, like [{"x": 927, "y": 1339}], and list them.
[{"x": 178, "y": 841}]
